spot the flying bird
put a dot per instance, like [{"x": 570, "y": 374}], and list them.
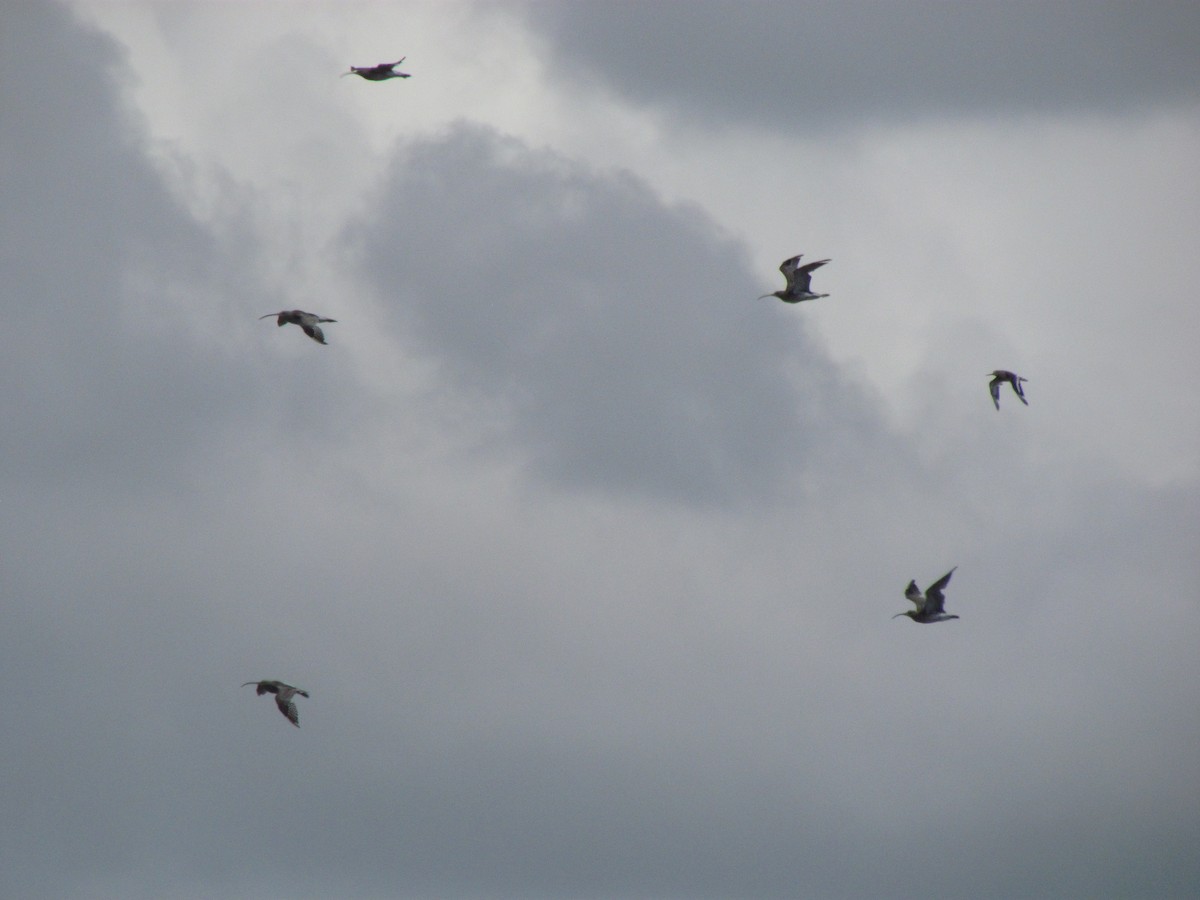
[
  {"x": 930, "y": 606},
  {"x": 306, "y": 320},
  {"x": 798, "y": 278},
  {"x": 999, "y": 376},
  {"x": 381, "y": 72},
  {"x": 284, "y": 694}
]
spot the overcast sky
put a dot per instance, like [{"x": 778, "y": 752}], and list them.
[{"x": 586, "y": 555}]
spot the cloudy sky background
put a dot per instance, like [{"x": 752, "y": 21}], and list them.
[{"x": 586, "y": 556}]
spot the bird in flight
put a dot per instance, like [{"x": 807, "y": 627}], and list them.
[
  {"x": 798, "y": 279},
  {"x": 930, "y": 606},
  {"x": 381, "y": 72},
  {"x": 306, "y": 320},
  {"x": 999, "y": 376},
  {"x": 284, "y": 697}
]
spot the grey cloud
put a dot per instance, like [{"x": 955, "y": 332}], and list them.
[
  {"x": 544, "y": 692},
  {"x": 125, "y": 317},
  {"x": 622, "y": 336},
  {"x": 802, "y": 68},
  {"x": 96, "y": 256}
]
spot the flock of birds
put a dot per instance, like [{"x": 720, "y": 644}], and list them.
[{"x": 929, "y": 607}]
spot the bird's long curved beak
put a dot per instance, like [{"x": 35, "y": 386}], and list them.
[
  {"x": 763, "y": 296},
  {"x": 250, "y": 682},
  {"x": 896, "y": 616},
  {"x": 267, "y": 316}
]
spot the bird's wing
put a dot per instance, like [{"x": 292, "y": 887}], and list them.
[
  {"x": 393, "y": 65},
  {"x": 1019, "y": 389},
  {"x": 314, "y": 332},
  {"x": 935, "y": 602},
  {"x": 994, "y": 387},
  {"x": 913, "y": 593},
  {"x": 266, "y": 687},
  {"x": 303, "y": 317},
  {"x": 287, "y": 706},
  {"x": 788, "y": 268},
  {"x": 803, "y": 275}
]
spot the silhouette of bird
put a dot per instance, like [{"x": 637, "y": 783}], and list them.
[
  {"x": 381, "y": 72},
  {"x": 306, "y": 320},
  {"x": 798, "y": 279},
  {"x": 999, "y": 376},
  {"x": 930, "y": 606},
  {"x": 284, "y": 694}
]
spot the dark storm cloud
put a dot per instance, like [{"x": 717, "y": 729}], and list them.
[
  {"x": 121, "y": 391},
  {"x": 536, "y": 693},
  {"x": 800, "y": 67},
  {"x": 101, "y": 373},
  {"x": 623, "y": 336},
  {"x": 123, "y": 314}
]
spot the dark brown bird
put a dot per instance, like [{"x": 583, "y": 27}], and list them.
[
  {"x": 999, "y": 376},
  {"x": 930, "y": 606},
  {"x": 284, "y": 697},
  {"x": 306, "y": 320},
  {"x": 381, "y": 72},
  {"x": 798, "y": 280}
]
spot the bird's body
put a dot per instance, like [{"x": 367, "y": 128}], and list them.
[
  {"x": 798, "y": 278},
  {"x": 284, "y": 697},
  {"x": 999, "y": 377},
  {"x": 306, "y": 320},
  {"x": 381, "y": 72},
  {"x": 930, "y": 606}
]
